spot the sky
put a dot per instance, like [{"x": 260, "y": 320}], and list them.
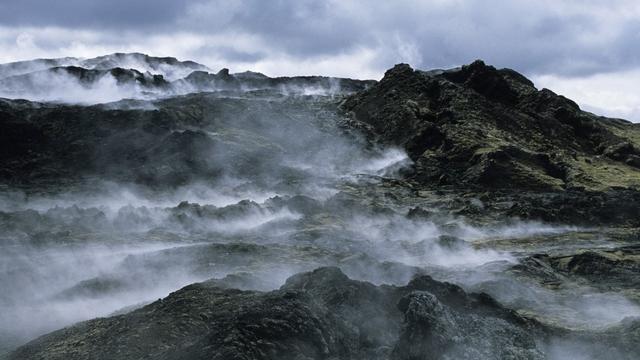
[{"x": 587, "y": 50}]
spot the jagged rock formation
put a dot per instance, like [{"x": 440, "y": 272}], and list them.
[
  {"x": 122, "y": 76},
  {"x": 321, "y": 314},
  {"x": 316, "y": 315},
  {"x": 479, "y": 126}
]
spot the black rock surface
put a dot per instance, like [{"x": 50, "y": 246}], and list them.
[{"x": 321, "y": 314}]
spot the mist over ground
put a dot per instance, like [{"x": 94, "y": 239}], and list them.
[{"x": 129, "y": 178}]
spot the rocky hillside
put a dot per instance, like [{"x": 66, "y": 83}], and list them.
[
  {"x": 477, "y": 126},
  {"x": 122, "y": 76},
  {"x": 317, "y": 315},
  {"x": 446, "y": 214},
  {"x": 167, "y": 143}
]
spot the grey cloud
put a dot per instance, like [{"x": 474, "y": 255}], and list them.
[
  {"x": 533, "y": 37},
  {"x": 112, "y": 14},
  {"x": 528, "y": 36},
  {"x": 232, "y": 54},
  {"x": 301, "y": 28}
]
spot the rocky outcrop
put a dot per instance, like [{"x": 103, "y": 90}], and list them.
[
  {"x": 481, "y": 126},
  {"x": 614, "y": 269},
  {"x": 319, "y": 315},
  {"x": 316, "y": 315},
  {"x": 433, "y": 330}
]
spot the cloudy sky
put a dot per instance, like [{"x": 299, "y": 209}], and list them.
[{"x": 588, "y": 49}]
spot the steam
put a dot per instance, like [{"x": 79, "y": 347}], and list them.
[
  {"x": 169, "y": 70},
  {"x": 59, "y": 86},
  {"x": 33, "y": 279},
  {"x": 73, "y": 257},
  {"x": 85, "y": 257},
  {"x": 291, "y": 192},
  {"x": 110, "y": 197},
  {"x": 56, "y": 80}
]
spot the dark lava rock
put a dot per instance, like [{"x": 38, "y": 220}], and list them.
[
  {"x": 614, "y": 269},
  {"x": 317, "y": 315},
  {"x": 418, "y": 213},
  {"x": 482, "y": 126},
  {"x": 179, "y": 140},
  {"x": 614, "y": 206},
  {"x": 472, "y": 129},
  {"x": 433, "y": 331},
  {"x": 482, "y": 129}
]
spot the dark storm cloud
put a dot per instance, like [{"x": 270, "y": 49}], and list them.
[
  {"x": 112, "y": 14},
  {"x": 301, "y": 28},
  {"x": 530, "y": 36},
  {"x": 571, "y": 38}
]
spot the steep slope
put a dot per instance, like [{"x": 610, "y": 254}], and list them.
[{"x": 477, "y": 126}]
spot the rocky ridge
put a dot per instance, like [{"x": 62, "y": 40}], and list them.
[
  {"x": 478, "y": 126},
  {"x": 122, "y": 76}
]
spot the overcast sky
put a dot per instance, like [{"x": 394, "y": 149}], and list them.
[{"x": 588, "y": 50}]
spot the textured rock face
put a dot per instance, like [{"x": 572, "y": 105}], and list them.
[
  {"x": 610, "y": 269},
  {"x": 479, "y": 126},
  {"x": 317, "y": 315},
  {"x": 433, "y": 331}
]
